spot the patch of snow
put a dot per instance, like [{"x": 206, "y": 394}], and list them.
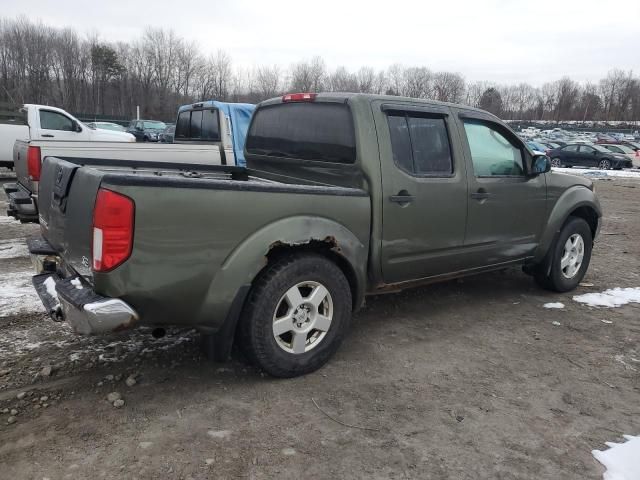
[
  {"x": 621, "y": 459},
  {"x": 556, "y": 323},
  {"x": 222, "y": 434},
  {"x": 17, "y": 294},
  {"x": 614, "y": 297},
  {"x": 595, "y": 173},
  {"x": 620, "y": 359},
  {"x": 76, "y": 283},
  {"x": 50, "y": 283},
  {"x": 13, "y": 248},
  {"x": 554, "y": 305},
  {"x": 8, "y": 221},
  {"x": 606, "y": 321}
]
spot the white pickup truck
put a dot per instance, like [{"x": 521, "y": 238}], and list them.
[
  {"x": 41, "y": 122},
  {"x": 210, "y": 133}
]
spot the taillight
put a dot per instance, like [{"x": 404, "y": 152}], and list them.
[
  {"x": 299, "y": 97},
  {"x": 34, "y": 166},
  {"x": 113, "y": 215}
]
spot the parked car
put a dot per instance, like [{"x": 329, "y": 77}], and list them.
[
  {"x": 582, "y": 155},
  {"x": 279, "y": 255},
  {"x": 146, "y": 130},
  {"x": 41, "y": 122},
  {"x": 633, "y": 155},
  {"x": 107, "y": 126},
  {"x": 167, "y": 134},
  {"x": 223, "y": 148},
  {"x": 602, "y": 138}
]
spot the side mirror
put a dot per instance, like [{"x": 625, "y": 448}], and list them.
[
  {"x": 139, "y": 129},
  {"x": 540, "y": 164}
]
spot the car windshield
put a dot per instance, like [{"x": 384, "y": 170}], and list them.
[
  {"x": 154, "y": 125},
  {"x": 110, "y": 126}
]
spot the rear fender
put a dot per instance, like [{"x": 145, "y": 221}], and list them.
[{"x": 246, "y": 261}]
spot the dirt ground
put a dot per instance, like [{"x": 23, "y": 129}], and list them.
[{"x": 463, "y": 380}]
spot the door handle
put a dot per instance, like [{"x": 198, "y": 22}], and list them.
[
  {"x": 481, "y": 194},
  {"x": 47, "y": 135},
  {"x": 402, "y": 197}
]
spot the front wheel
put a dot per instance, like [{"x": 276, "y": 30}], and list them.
[
  {"x": 570, "y": 257},
  {"x": 555, "y": 162},
  {"x": 296, "y": 316},
  {"x": 604, "y": 164}
]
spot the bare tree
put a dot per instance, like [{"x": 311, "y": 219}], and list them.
[
  {"x": 268, "y": 81},
  {"x": 418, "y": 82},
  {"x": 160, "y": 70},
  {"x": 448, "y": 87}
]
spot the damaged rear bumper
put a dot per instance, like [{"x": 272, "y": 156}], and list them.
[{"x": 71, "y": 299}]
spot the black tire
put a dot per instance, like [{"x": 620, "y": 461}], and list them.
[
  {"x": 555, "y": 279},
  {"x": 556, "y": 162},
  {"x": 604, "y": 164},
  {"x": 256, "y": 335}
]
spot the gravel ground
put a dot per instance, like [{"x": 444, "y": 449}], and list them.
[{"x": 467, "y": 379}]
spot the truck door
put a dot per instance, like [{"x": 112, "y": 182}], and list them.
[
  {"x": 57, "y": 126},
  {"x": 424, "y": 204},
  {"x": 507, "y": 208}
]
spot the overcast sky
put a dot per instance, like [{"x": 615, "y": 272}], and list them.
[{"x": 497, "y": 40}]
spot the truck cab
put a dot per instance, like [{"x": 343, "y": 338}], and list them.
[{"x": 219, "y": 122}]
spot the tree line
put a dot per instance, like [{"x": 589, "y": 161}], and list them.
[{"x": 160, "y": 71}]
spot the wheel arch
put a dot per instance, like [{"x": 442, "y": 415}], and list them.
[
  {"x": 253, "y": 254},
  {"x": 578, "y": 201}
]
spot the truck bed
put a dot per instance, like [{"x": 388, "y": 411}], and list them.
[
  {"x": 193, "y": 231},
  {"x": 23, "y": 196}
]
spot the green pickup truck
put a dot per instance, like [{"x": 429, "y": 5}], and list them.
[{"x": 344, "y": 195}]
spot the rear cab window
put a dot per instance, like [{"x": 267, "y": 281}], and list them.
[
  {"x": 198, "y": 125},
  {"x": 317, "y": 131}
]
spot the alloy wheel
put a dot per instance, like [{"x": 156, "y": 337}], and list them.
[{"x": 303, "y": 317}]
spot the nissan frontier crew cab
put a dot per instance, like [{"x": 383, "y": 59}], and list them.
[{"x": 343, "y": 195}]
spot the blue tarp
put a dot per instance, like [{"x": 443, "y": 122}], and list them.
[{"x": 239, "y": 115}]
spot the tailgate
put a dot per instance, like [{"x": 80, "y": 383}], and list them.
[
  {"x": 66, "y": 199},
  {"x": 20, "y": 163}
]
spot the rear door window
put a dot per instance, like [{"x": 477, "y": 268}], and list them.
[
  {"x": 306, "y": 131},
  {"x": 420, "y": 144}
]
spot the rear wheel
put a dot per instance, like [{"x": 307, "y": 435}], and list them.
[
  {"x": 570, "y": 257},
  {"x": 604, "y": 164},
  {"x": 297, "y": 314}
]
